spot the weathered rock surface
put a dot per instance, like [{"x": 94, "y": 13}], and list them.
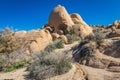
[
  {"x": 113, "y": 50},
  {"x": 35, "y": 40},
  {"x": 80, "y": 27},
  {"x": 64, "y": 38},
  {"x": 82, "y": 30},
  {"x": 20, "y": 34},
  {"x": 42, "y": 40},
  {"x": 77, "y": 18},
  {"x": 89, "y": 55},
  {"x": 100, "y": 74},
  {"x": 63, "y": 22},
  {"x": 55, "y": 36},
  {"x": 60, "y": 19}
]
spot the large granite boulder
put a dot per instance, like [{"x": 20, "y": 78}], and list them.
[{"x": 60, "y": 19}]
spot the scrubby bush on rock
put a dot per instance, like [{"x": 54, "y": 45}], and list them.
[
  {"x": 48, "y": 65},
  {"x": 98, "y": 37},
  {"x": 72, "y": 37},
  {"x": 57, "y": 44}
]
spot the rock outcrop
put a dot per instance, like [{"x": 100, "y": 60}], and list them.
[
  {"x": 60, "y": 19},
  {"x": 82, "y": 30},
  {"x": 64, "y": 38},
  {"x": 77, "y": 18},
  {"x": 114, "y": 26},
  {"x": 35, "y": 40},
  {"x": 55, "y": 36},
  {"x": 42, "y": 40},
  {"x": 20, "y": 34},
  {"x": 80, "y": 27},
  {"x": 88, "y": 54},
  {"x": 63, "y": 22},
  {"x": 60, "y": 23}
]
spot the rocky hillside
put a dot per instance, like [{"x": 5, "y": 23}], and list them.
[
  {"x": 60, "y": 23},
  {"x": 66, "y": 48}
]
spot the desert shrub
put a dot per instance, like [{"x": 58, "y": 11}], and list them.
[
  {"x": 57, "y": 44},
  {"x": 83, "y": 42},
  {"x": 76, "y": 22},
  {"x": 11, "y": 50},
  {"x": 15, "y": 66},
  {"x": 98, "y": 37},
  {"x": 18, "y": 57},
  {"x": 46, "y": 66},
  {"x": 8, "y": 42},
  {"x": 50, "y": 48},
  {"x": 72, "y": 37},
  {"x": 73, "y": 34}
]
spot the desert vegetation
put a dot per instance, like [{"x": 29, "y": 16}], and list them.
[
  {"x": 86, "y": 47},
  {"x": 57, "y": 44},
  {"x": 66, "y": 45},
  {"x": 49, "y": 63},
  {"x": 72, "y": 36},
  {"x": 12, "y": 55},
  {"x": 8, "y": 43}
]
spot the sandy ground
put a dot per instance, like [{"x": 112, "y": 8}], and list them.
[{"x": 19, "y": 74}]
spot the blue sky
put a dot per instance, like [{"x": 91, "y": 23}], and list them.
[{"x": 32, "y": 14}]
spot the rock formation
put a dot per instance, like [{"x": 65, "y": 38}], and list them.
[
  {"x": 82, "y": 30},
  {"x": 60, "y": 19},
  {"x": 64, "y": 38},
  {"x": 77, "y": 18},
  {"x": 90, "y": 55},
  {"x": 59, "y": 24},
  {"x": 35, "y": 40},
  {"x": 55, "y": 36},
  {"x": 80, "y": 27},
  {"x": 20, "y": 34},
  {"x": 114, "y": 26},
  {"x": 42, "y": 40}
]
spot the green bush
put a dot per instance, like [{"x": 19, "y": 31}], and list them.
[
  {"x": 11, "y": 50},
  {"x": 15, "y": 66},
  {"x": 46, "y": 66},
  {"x": 98, "y": 37},
  {"x": 72, "y": 37},
  {"x": 57, "y": 44},
  {"x": 6, "y": 63},
  {"x": 50, "y": 48},
  {"x": 76, "y": 22}
]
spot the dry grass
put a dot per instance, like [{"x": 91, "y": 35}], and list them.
[{"x": 48, "y": 65}]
